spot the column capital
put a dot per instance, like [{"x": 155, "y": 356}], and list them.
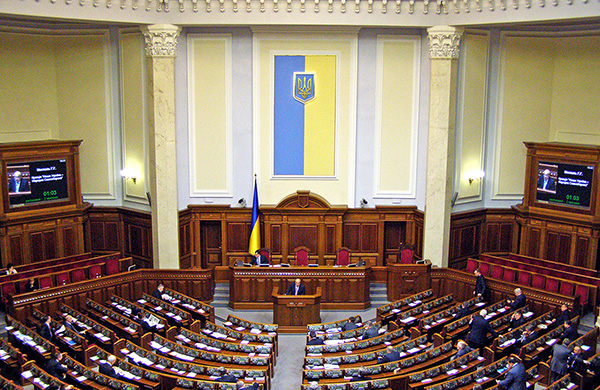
[
  {"x": 444, "y": 42},
  {"x": 161, "y": 39}
]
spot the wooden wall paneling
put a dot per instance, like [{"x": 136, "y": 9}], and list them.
[
  {"x": 137, "y": 226},
  {"x": 303, "y": 235},
  {"x": 238, "y": 234},
  {"x": 369, "y": 238},
  {"x": 50, "y": 244},
  {"x": 36, "y": 242},
  {"x": 407, "y": 279},
  {"x": 276, "y": 239},
  {"x": 185, "y": 240},
  {"x": 533, "y": 242},
  {"x": 352, "y": 237},
  {"x": 17, "y": 247},
  {"x": 465, "y": 237},
  {"x": 582, "y": 250}
]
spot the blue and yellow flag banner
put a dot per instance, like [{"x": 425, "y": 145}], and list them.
[
  {"x": 304, "y": 115},
  {"x": 254, "y": 244}
]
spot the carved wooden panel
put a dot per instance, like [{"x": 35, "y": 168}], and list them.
[
  {"x": 69, "y": 241},
  {"x": 330, "y": 240},
  {"x": 368, "y": 237},
  {"x": 352, "y": 236},
  {"x": 16, "y": 251},
  {"x": 533, "y": 243},
  {"x": 303, "y": 235},
  {"x": 582, "y": 251},
  {"x": 237, "y": 236},
  {"x": 276, "y": 239}
]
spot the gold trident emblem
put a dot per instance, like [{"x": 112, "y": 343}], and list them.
[{"x": 304, "y": 87}]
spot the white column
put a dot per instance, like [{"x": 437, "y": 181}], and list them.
[
  {"x": 161, "y": 42},
  {"x": 444, "y": 44}
]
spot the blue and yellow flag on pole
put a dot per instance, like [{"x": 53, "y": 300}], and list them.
[{"x": 255, "y": 226}]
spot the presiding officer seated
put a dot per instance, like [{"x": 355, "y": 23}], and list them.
[{"x": 259, "y": 260}]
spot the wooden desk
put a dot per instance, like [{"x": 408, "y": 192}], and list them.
[
  {"x": 293, "y": 312},
  {"x": 342, "y": 288}
]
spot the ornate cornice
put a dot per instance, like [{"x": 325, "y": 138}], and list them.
[
  {"x": 161, "y": 39},
  {"x": 444, "y": 42}
]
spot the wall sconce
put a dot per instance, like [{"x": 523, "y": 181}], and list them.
[
  {"x": 129, "y": 174},
  {"x": 242, "y": 202},
  {"x": 363, "y": 202},
  {"x": 476, "y": 175}
]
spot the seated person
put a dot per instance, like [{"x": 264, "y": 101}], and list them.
[
  {"x": 370, "y": 331},
  {"x": 563, "y": 316},
  {"x": 71, "y": 324},
  {"x": 570, "y": 332},
  {"x": 259, "y": 260},
  {"x": 107, "y": 368},
  {"x": 463, "y": 311},
  {"x": 527, "y": 336},
  {"x": 55, "y": 368},
  {"x": 31, "y": 285},
  {"x": 575, "y": 362},
  {"x": 45, "y": 329},
  {"x": 158, "y": 293},
  {"x": 518, "y": 302},
  {"x": 462, "y": 349},
  {"x": 390, "y": 355},
  {"x": 516, "y": 320},
  {"x": 351, "y": 324},
  {"x": 225, "y": 377},
  {"x": 240, "y": 386},
  {"x": 10, "y": 269},
  {"x": 313, "y": 339}
]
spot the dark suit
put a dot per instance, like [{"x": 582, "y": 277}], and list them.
[
  {"x": 56, "y": 369},
  {"x": 518, "y": 303},
  {"x": 526, "y": 339},
  {"x": 558, "y": 364},
  {"x": 157, "y": 294},
  {"x": 292, "y": 290},
  {"x": 515, "y": 323},
  {"x": 570, "y": 333},
  {"x": 515, "y": 378},
  {"x": 46, "y": 331},
  {"x": 462, "y": 312},
  {"x": 480, "y": 286},
  {"x": 260, "y": 260},
  {"x": 107, "y": 369},
  {"x": 31, "y": 287},
  {"x": 227, "y": 378},
  {"x": 349, "y": 326},
  {"x": 563, "y": 317},
  {"x": 360, "y": 378},
  {"x": 477, "y": 337},
  {"x": 462, "y": 352},
  {"x": 575, "y": 363},
  {"x": 550, "y": 185},
  {"x": 389, "y": 357},
  {"x": 315, "y": 341},
  {"x": 24, "y": 187}
]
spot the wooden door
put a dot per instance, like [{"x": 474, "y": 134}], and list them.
[{"x": 210, "y": 242}]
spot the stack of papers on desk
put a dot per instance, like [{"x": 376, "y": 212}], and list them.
[
  {"x": 451, "y": 372},
  {"x": 396, "y": 311},
  {"x": 191, "y": 375},
  {"x": 407, "y": 320},
  {"x": 551, "y": 342},
  {"x": 142, "y": 301},
  {"x": 331, "y": 366},
  {"x": 255, "y": 331},
  {"x": 528, "y": 314},
  {"x": 26, "y": 374}
]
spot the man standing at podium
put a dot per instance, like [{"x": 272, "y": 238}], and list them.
[{"x": 296, "y": 288}]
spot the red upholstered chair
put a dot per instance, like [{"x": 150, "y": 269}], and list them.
[
  {"x": 45, "y": 281},
  {"x": 539, "y": 281},
  {"x": 471, "y": 266},
  {"x": 497, "y": 271},
  {"x": 583, "y": 292},
  {"x": 112, "y": 266},
  {"x": 301, "y": 256},
  {"x": 566, "y": 288},
  {"x": 78, "y": 274},
  {"x": 484, "y": 268},
  {"x": 552, "y": 285},
  {"x": 343, "y": 256},
  {"x": 407, "y": 255},
  {"x": 524, "y": 278},
  {"x": 266, "y": 253},
  {"x": 509, "y": 275},
  {"x": 63, "y": 278},
  {"x": 95, "y": 271}
]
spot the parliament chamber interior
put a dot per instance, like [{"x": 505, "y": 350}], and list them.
[{"x": 297, "y": 195}]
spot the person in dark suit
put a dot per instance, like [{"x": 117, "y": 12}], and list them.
[
  {"x": 480, "y": 327},
  {"x": 545, "y": 182},
  {"x": 225, "y": 377},
  {"x": 462, "y": 349},
  {"x": 46, "y": 329},
  {"x": 10, "y": 269},
  {"x": 159, "y": 291},
  {"x": 480, "y": 285},
  {"x": 31, "y": 285},
  {"x": 390, "y": 355},
  {"x": 107, "y": 368},
  {"x": 570, "y": 332},
  {"x": 518, "y": 302},
  {"x": 55, "y": 368},
  {"x": 516, "y": 377},
  {"x": 516, "y": 320},
  {"x": 259, "y": 259},
  {"x": 575, "y": 361},
  {"x": 558, "y": 364},
  {"x": 362, "y": 376},
  {"x": 296, "y": 288},
  {"x": 313, "y": 339},
  {"x": 370, "y": 331},
  {"x": 463, "y": 311},
  {"x": 526, "y": 337},
  {"x": 17, "y": 183},
  {"x": 351, "y": 324},
  {"x": 240, "y": 386},
  {"x": 563, "y": 316},
  {"x": 72, "y": 325}
]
